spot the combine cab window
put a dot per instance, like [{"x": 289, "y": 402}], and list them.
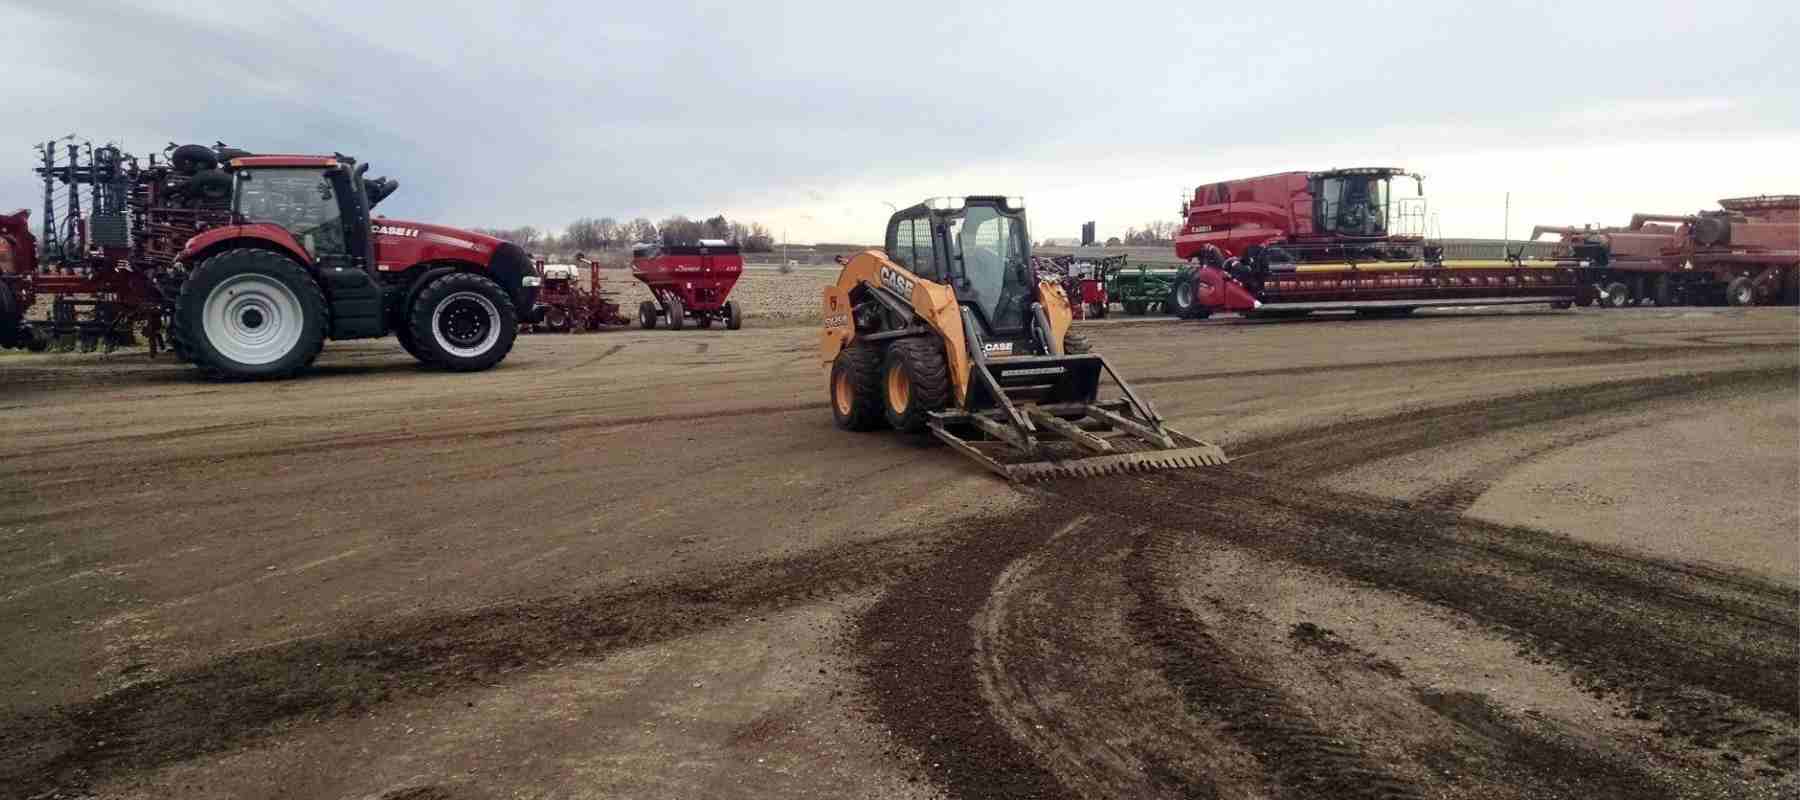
[
  {"x": 299, "y": 200},
  {"x": 1355, "y": 205},
  {"x": 992, "y": 247}
]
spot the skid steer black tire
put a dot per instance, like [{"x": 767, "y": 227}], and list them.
[
  {"x": 272, "y": 290},
  {"x": 855, "y": 388},
  {"x": 463, "y": 322},
  {"x": 1076, "y": 344},
  {"x": 915, "y": 381}
]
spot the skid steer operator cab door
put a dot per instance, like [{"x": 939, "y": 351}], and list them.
[{"x": 979, "y": 247}]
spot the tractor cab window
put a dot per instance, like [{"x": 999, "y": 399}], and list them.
[
  {"x": 302, "y": 201},
  {"x": 991, "y": 249},
  {"x": 1356, "y": 205}
]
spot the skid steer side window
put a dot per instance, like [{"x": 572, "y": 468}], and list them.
[
  {"x": 925, "y": 265},
  {"x": 900, "y": 245}
]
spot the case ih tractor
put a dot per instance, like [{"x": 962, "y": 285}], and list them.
[
  {"x": 254, "y": 260},
  {"x": 1298, "y": 242}
]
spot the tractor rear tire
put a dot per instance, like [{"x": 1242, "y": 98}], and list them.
[
  {"x": 677, "y": 315},
  {"x": 1740, "y": 292},
  {"x": 915, "y": 381},
  {"x": 464, "y": 322},
  {"x": 250, "y": 314},
  {"x": 1076, "y": 344},
  {"x": 734, "y": 315},
  {"x": 647, "y": 314},
  {"x": 855, "y": 388}
]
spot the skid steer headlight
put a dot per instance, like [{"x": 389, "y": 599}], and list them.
[
  {"x": 1015, "y": 204},
  {"x": 945, "y": 203}
]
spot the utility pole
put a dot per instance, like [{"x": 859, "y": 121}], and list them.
[{"x": 1506, "y": 230}]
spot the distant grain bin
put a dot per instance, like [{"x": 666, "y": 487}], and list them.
[{"x": 1087, "y": 234}]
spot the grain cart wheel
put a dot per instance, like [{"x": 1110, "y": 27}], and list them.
[
  {"x": 464, "y": 322},
  {"x": 677, "y": 315},
  {"x": 1740, "y": 292},
  {"x": 647, "y": 315},
  {"x": 250, "y": 314},
  {"x": 1076, "y": 344},
  {"x": 1616, "y": 295},
  {"x": 856, "y": 388},
  {"x": 915, "y": 381},
  {"x": 734, "y": 315}
]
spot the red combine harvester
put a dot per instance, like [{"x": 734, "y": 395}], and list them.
[
  {"x": 252, "y": 261},
  {"x": 689, "y": 281},
  {"x": 1744, "y": 254},
  {"x": 569, "y": 306},
  {"x": 1298, "y": 242}
]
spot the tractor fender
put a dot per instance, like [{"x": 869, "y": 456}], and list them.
[
  {"x": 418, "y": 283},
  {"x": 231, "y": 237}
]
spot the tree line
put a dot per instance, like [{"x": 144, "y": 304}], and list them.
[
  {"x": 590, "y": 233},
  {"x": 1153, "y": 233}
]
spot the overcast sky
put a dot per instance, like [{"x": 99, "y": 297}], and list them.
[{"x": 810, "y": 116}]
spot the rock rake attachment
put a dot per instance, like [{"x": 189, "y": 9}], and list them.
[{"x": 1024, "y": 438}]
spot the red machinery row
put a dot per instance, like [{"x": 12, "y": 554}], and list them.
[
  {"x": 690, "y": 283},
  {"x": 1745, "y": 253}
]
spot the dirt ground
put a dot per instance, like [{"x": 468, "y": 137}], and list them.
[{"x": 1506, "y": 554}]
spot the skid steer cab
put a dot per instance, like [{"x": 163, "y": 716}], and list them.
[
  {"x": 949, "y": 330},
  {"x": 306, "y": 260}
]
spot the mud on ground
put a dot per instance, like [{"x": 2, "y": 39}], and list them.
[{"x": 1482, "y": 555}]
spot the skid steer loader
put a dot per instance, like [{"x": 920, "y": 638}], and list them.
[{"x": 950, "y": 331}]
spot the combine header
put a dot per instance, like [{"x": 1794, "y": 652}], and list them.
[
  {"x": 951, "y": 331},
  {"x": 1744, "y": 254},
  {"x": 1298, "y": 242}
]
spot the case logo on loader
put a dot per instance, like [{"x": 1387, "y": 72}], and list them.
[
  {"x": 997, "y": 348},
  {"x": 898, "y": 283},
  {"x": 395, "y": 230}
]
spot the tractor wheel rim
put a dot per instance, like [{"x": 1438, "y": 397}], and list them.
[
  {"x": 466, "y": 324},
  {"x": 1184, "y": 295},
  {"x": 252, "y": 319},
  {"x": 840, "y": 393},
  {"x": 899, "y": 389}
]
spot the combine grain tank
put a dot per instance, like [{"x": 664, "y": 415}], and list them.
[
  {"x": 1745, "y": 253},
  {"x": 1297, "y": 242}
]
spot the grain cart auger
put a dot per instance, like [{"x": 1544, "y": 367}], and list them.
[{"x": 950, "y": 331}]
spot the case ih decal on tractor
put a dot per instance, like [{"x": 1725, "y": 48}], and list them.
[{"x": 251, "y": 262}]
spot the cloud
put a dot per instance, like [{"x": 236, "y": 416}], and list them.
[{"x": 811, "y": 114}]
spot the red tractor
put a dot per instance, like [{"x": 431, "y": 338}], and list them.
[
  {"x": 255, "y": 260},
  {"x": 689, "y": 281},
  {"x": 1298, "y": 242}
]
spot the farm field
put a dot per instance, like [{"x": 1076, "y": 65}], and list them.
[{"x": 1521, "y": 554}]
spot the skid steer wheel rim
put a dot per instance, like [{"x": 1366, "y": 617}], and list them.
[
  {"x": 253, "y": 319},
  {"x": 840, "y": 392},
  {"x": 465, "y": 324},
  {"x": 899, "y": 389}
]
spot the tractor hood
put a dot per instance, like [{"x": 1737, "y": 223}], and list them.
[{"x": 388, "y": 229}]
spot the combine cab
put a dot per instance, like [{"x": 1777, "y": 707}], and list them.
[{"x": 1298, "y": 242}]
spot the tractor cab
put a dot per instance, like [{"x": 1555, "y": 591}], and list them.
[
  {"x": 323, "y": 202},
  {"x": 1360, "y": 202},
  {"x": 979, "y": 247}
]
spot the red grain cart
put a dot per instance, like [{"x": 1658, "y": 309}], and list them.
[
  {"x": 569, "y": 306},
  {"x": 689, "y": 281}
]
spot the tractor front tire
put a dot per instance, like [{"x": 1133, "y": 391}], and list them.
[
  {"x": 734, "y": 315},
  {"x": 647, "y": 315},
  {"x": 404, "y": 335},
  {"x": 250, "y": 314},
  {"x": 856, "y": 388},
  {"x": 915, "y": 381},
  {"x": 463, "y": 322},
  {"x": 1076, "y": 344}
]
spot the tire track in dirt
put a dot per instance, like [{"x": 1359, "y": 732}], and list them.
[
  {"x": 1314, "y": 452},
  {"x": 251, "y": 695},
  {"x": 1709, "y": 654},
  {"x": 1713, "y": 659},
  {"x": 1459, "y": 494}
]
